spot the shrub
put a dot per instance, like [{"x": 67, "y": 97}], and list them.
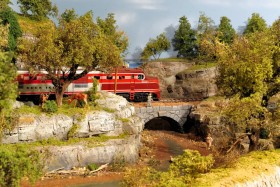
[
  {"x": 93, "y": 90},
  {"x": 182, "y": 172},
  {"x": 73, "y": 130},
  {"x": 50, "y": 106},
  {"x": 19, "y": 163},
  {"x": 92, "y": 167}
]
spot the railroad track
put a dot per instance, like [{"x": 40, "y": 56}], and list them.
[{"x": 176, "y": 100}]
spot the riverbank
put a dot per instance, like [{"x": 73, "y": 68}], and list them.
[{"x": 157, "y": 148}]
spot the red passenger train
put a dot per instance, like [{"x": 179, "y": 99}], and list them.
[{"x": 131, "y": 83}]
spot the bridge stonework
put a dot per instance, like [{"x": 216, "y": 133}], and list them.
[{"x": 178, "y": 112}]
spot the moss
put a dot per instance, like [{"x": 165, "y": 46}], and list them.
[
  {"x": 27, "y": 110},
  {"x": 247, "y": 168},
  {"x": 201, "y": 66}
]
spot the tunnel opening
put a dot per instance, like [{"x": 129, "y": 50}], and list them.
[
  {"x": 196, "y": 127},
  {"x": 163, "y": 123}
]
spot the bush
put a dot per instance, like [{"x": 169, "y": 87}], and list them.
[
  {"x": 93, "y": 90},
  {"x": 19, "y": 163},
  {"x": 92, "y": 167},
  {"x": 182, "y": 172},
  {"x": 50, "y": 106}
]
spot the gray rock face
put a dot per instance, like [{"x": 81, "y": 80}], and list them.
[
  {"x": 116, "y": 118},
  {"x": 175, "y": 82},
  {"x": 80, "y": 155},
  {"x": 120, "y": 119}
]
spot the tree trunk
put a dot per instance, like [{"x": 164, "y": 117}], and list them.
[
  {"x": 59, "y": 91},
  {"x": 254, "y": 139}
]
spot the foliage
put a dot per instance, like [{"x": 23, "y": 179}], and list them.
[
  {"x": 184, "y": 40},
  {"x": 254, "y": 24},
  {"x": 37, "y": 9},
  {"x": 205, "y": 25},
  {"x": 50, "y": 106},
  {"x": 69, "y": 15},
  {"x": 245, "y": 67},
  {"x": 190, "y": 164},
  {"x": 8, "y": 17},
  {"x": 92, "y": 166},
  {"x": 118, "y": 163},
  {"x": 206, "y": 36},
  {"x": 77, "y": 43},
  {"x": 8, "y": 87},
  {"x": 245, "y": 112},
  {"x": 247, "y": 168},
  {"x": 4, "y": 4},
  {"x": 225, "y": 30},
  {"x": 182, "y": 172},
  {"x": 73, "y": 130},
  {"x": 109, "y": 28},
  {"x": 155, "y": 47},
  {"x": 19, "y": 163},
  {"x": 93, "y": 90},
  {"x": 274, "y": 82}
]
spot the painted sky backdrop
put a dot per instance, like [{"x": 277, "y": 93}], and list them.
[{"x": 145, "y": 19}]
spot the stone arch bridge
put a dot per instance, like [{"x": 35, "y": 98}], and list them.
[{"x": 174, "y": 111}]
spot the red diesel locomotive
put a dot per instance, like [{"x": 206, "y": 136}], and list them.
[{"x": 131, "y": 83}]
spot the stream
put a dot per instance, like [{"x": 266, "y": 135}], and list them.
[{"x": 164, "y": 145}]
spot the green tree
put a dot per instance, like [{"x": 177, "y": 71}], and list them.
[
  {"x": 247, "y": 115},
  {"x": 37, "y": 9},
  {"x": 8, "y": 17},
  {"x": 4, "y": 4},
  {"x": 184, "y": 40},
  {"x": 225, "y": 30},
  {"x": 205, "y": 25},
  {"x": 60, "y": 51},
  {"x": 18, "y": 163},
  {"x": 274, "y": 82},
  {"x": 245, "y": 66},
  {"x": 206, "y": 35},
  {"x": 155, "y": 47},
  {"x": 110, "y": 29},
  {"x": 69, "y": 15},
  {"x": 8, "y": 87},
  {"x": 254, "y": 24}
]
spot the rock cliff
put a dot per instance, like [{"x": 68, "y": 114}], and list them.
[
  {"x": 115, "y": 117},
  {"x": 177, "y": 82}
]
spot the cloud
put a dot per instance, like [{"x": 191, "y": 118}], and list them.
[
  {"x": 125, "y": 18},
  {"x": 225, "y": 3},
  {"x": 147, "y": 4}
]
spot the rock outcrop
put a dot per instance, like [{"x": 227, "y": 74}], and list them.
[
  {"x": 177, "y": 82},
  {"x": 118, "y": 119},
  {"x": 115, "y": 117}
]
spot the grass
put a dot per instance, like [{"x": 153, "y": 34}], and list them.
[
  {"x": 201, "y": 66},
  {"x": 246, "y": 169},
  {"x": 94, "y": 141}
]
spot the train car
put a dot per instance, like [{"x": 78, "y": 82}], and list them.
[{"x": 131, "y": 83}]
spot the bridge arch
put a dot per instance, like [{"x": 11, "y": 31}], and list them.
[
  {"x": 163, "y": 123},
  {"x": 177, "y": 113}
]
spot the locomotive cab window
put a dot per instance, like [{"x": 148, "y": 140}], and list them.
[
  {"x": 140, "y": 77},
  {"x": 97, "y": 77},
  {"x": 109, "y": 77}
]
